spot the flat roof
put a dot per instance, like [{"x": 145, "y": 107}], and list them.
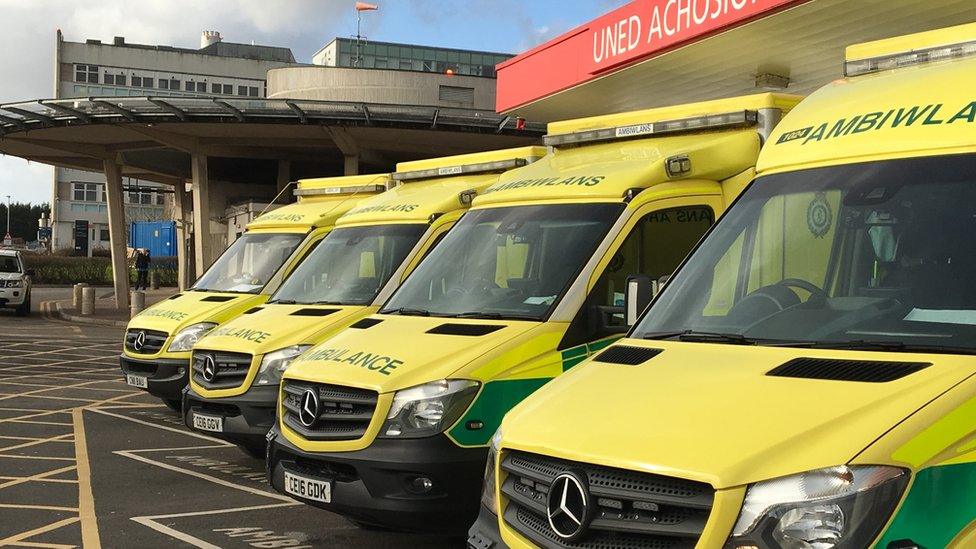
[
  {"x": 647, "y": 54},
  {"x": 153, "y": 135}
]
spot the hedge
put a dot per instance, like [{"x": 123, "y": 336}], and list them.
[{"x": 56, "y": 269}]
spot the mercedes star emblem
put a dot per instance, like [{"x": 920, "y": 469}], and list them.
[
  {"x": 209, "y": 368},
  {"x": 568, "y": 507},
  {"x": 309, "y": 410},
  {"x": 140, "y": 341}
]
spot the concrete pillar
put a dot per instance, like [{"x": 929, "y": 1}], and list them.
[
  {"x": 202, "y": 239},
  {"x": 284, "y": 177},
  {"x": 88, "y": 301},
  {"x": 76, "y": 295},
  {"x": 138, "y": 303},
  {"x": 116, "y": 233},
  {"x": 154, "y": 280},
  {"x": 350, "y": 164},
  {"x": 181, "y": 215}
]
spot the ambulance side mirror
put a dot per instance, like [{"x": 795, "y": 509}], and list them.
[{"x": 640, "y": 290}]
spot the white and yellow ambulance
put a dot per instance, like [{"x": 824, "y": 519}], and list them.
[
  {"x": 236, "y": 368},
  {"x": 156, "y": 350},
  {"x": 806, "y": 379},
  {"x": 529, "y": 283}
]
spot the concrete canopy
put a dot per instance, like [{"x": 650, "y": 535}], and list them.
[
  {"x": 234, "y": 150},
  {"x": 152, "y": 137}
]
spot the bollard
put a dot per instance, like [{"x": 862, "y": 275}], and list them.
[
  {"x": 153, "y": 280},
  {"x": 137, "y": 302},
  {"x": 88, "y": 301},
  {"x": 76, "y": 295}
]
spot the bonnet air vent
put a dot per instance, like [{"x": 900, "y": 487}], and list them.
[
  {"x": 366, "y": 323},
  {"x": 465, "y": 329},
  {"x": 252, "y": 310},
  {"x": 314, "y": 312},
  {"x": 625, "y": 354},
  {"x": 175, "y": 296},
  {"x": 218, "y": 298},
  {"x": 869, "y": 371}
]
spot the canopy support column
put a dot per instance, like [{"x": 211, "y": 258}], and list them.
[
  {"x": 181, "y": 214},
  {"x": 116, "y": 233},
  {"x": 202, "y": 239}
]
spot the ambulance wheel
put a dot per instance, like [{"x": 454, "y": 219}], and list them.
[
  {"x": 24, "y": 308},
  {"x": 174, "y": 404},
  {"x": 256, "y": 452}
]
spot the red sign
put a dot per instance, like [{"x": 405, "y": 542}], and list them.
[{"x": 636, "y": 31}]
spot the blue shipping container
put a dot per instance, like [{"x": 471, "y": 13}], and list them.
[{"x": 158, "y": 236}]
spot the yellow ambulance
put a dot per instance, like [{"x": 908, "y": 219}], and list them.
[
  {"x": 806, "y": 379},
  {"x": 156, "y": 350},
  {"x": 236, "y": 368},
  {"x": 529, "y": 283}
]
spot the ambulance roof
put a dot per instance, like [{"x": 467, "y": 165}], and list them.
[
  {"x": 904, "y": 97},
  {"x": 321, "y": 201},
  {"x": 604, "y": 157}
]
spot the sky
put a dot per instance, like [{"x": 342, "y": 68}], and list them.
[{"x": 27, "y": 43}]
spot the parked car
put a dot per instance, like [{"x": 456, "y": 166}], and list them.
[{"x": 15, "y": 282}]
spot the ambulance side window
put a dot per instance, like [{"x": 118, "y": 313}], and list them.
[{"x": 655, "y": 246}]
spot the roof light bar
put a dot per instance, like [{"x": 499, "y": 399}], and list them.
[
  {"x": 736, "y": 119},
  {"x": 496, "y": 166},
  {"x": 870, "y": 65},
  {"x": 354, "y": 189}
]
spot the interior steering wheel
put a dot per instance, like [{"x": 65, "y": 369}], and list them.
[{"x": 816, "y": 292}]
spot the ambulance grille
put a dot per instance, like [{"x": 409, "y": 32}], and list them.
[
  {"x": 344, "y": 413},
  {"x": 633, "y": 510},
  {"x": 869, "y": 371},
  {"x": 153, "y": 342},
  {"x": 230, "y": 369}
]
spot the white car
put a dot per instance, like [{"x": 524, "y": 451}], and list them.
[{"x": 15, "y": 282}]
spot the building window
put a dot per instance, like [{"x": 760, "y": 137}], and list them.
[
  {"x": 242, "y": 90},
  {"x": 103, "y": 235},
  {"x": 215, "y": 88},
  {"x": 160, "y": 199},
  {"x": 174, "y": 84},
  {"x": 201, "y": 87},
  {"x": 109, "y": 78},
  {"x": 86, "y": 192},
  {"x": 456, "y": 95},
  {"x": 163, "y": 84},
  {"x": 136, "y": 81},
  {"x": 189, "y": 86},
  {"x": 86, "y": 73},
  {"x": 252, "y": 91},
  {"x": 228, "y": 89},
  {"x": 147, "y": 82}
]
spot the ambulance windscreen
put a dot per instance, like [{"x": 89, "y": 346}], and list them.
[
  {"x": 511, "y": 262},
  {"x": 875, "y": 255},
  {"x": 248, "y": 264}
]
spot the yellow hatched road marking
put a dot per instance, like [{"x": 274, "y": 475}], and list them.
[
  {"x": 41, "y": 477},
  {"x": 16, "y": 538}
]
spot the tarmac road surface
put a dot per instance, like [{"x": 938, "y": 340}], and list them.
[{"x": 87, "y": 461}]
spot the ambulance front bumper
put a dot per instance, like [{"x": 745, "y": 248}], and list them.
[
  {"x": 383, "y": 484},
  {"x": 246, "y": 418},
  {"x": 165, "y": 377}
]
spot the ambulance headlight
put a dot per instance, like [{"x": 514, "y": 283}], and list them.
[
  {"x": 834, "y": 508},
  {"x": 276, "y": 362},
  {"x": 428, "y": 409},
  {"x": 187, "y": 337},
  {"x": 488, "y": 498}
]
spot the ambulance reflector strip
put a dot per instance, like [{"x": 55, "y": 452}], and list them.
[
  {"x": 446, "y": 171},
  {"x": 630, "y": 510},
  {"x": 330, "y": 191},
  {"x": 730, "y": 120},
  {"x": 870, "y": 65}
]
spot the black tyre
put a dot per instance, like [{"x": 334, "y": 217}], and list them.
[
  {"x": 25, "y": 307},
  {"x": 256, "y": 452}
]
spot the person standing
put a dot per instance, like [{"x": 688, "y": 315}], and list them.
[{"x": 142, "y": 269}]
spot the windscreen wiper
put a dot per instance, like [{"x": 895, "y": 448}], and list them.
[
  {"x": 283, "y": 302},
  {"x": 881, "y": 345},
  {"x": 702, "y": 337},
  {"x": 325, "y": 302},
  {"x": 406, "y": 311},
  {"x": 493, "y": 316}
]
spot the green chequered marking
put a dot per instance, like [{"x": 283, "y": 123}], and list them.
[
  {"x": 574, "y": 355},
  {"x": 495, "y": 400},
  {"x": 939, "y": 505}
]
